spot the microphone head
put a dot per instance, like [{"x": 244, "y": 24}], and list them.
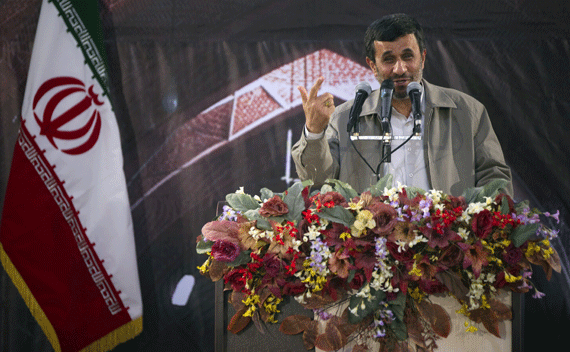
[
  {"x": 387, "y": 84},
  {"x": 363, "y": 86},
  {"x": 413, "y": 86}
]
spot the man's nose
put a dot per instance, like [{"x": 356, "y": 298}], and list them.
[{"x": 399, "y": 67}]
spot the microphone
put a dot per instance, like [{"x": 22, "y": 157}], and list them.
[
  {"x": 362, "y": 90},
  {"x": 386, "y": 90},
  {"x": 415, "y": 93}
]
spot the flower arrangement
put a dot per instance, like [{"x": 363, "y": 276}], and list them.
[{"x": 381, "y": 253}]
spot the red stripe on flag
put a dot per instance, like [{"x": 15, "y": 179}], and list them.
[{"x": 43, "y": 236}]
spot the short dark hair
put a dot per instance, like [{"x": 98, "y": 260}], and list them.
[{"x": 389, "y": 28}]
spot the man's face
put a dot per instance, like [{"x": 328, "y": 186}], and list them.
[{"x": 399, "y": 60}]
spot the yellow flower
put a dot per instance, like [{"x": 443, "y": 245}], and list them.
[
  {"x": 344, "y": 236},
  {"x": 417, "y": 294},
  {"x": 205, "y": 267},
  {"x": 511, "y": 278},
  {"x": 251, "y": 301},
  {"x": 470, "y": 328}
]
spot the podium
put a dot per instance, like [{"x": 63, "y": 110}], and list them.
[{"x": 272, "y": 340}]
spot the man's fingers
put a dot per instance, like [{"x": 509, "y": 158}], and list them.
[
  {"x": 304, "y": 94},
  {"x": 316, "y": 87}
]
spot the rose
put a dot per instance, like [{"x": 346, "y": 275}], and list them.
[
  {"x": 274, "y": 206},
  {"x": 357, "y": 281},
  {"x": 512, "y": 255},
  {"x": 385, "y": 217},
  {"x": 236, "y": 278},
  {"x": 452, "y": 256},
  {"x": 482, "y": 224},
  {"x": 225, "y": 251},
  {"x": 272, "y": 265}
]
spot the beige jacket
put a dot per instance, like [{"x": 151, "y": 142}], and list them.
[{"x": 460, "y": 146}]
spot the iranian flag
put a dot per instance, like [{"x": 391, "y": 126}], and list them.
[{"x": 66, "y": 237}]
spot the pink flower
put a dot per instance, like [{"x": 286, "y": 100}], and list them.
[{"x": 225, "y": 230}]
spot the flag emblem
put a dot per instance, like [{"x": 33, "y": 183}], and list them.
[{"x": 63, "y": 101}]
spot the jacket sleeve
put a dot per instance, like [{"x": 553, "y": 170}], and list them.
[
  {"x": 317, "y": 159},
  {"x": 489, "y": 160}
]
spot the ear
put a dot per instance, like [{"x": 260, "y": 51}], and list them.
[
  {"x": 424, "y": 58},
  {"x": 372, "y": 64}
]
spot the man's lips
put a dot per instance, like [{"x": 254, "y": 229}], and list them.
[{"x": 401, "y": 82}]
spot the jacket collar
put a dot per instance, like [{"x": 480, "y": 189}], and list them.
[{"x": 435, "y": 97}]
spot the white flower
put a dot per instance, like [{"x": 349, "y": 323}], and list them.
[
  {"x": 463, "y": 232},
  {"x": 240, "y": 191},
  {"x": 475, "y": 208}
]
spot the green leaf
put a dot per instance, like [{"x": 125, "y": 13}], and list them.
[
  {"x": 369, "y": 305},
  {"x": 522, "y": 233},
  {"x": 266, "y": 193},
  {"x": 399, "y": 329},
  {"x": 262, "y": 223},
  {"x": 519, "y": 207},
  {"x": 204, "y": 247},
  {"x": 344, "y": 189},
  {"x": 385, "y": 182},
  {"x": 295, "y": 202},
  {"x": 491, "y": 189},
  {"x": 326, "y": 188},
  {"x": 242, "y": 258},
  {"x": 504, "y": 205},
  {"x": 398, "y": 306},
  {"x": 242, "y": 202},
  {"x": 338, "y": 214}
]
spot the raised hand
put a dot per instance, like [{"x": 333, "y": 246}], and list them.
[{"x": 318, "y": 109}]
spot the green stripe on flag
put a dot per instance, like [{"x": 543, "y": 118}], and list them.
[{"x": 82, "y": 19}]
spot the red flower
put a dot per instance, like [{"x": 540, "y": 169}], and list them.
[
  {"x": 452, "y": 256},
  {"x": 357, "y": 282},
  {"x": 237, "y": 278},
  {"x": 225, "y": 251},
  {"x": 272, "y": 264},
  {"x": 440, "y": 237},
  {"x": 482, "y": 224},
  {"x": 512, "y": 255},
  {"x": 403, "y": 256},
  {"x": 274, "y": 207}
]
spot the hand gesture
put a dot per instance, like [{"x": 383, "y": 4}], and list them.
[{"x": 318, "y": 109}]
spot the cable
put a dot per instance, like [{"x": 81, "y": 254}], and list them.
[{"x": 377, "y": 171}]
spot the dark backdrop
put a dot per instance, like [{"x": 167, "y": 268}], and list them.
[{"x": 177, "y": 67}]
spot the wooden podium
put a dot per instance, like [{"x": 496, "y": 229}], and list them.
[{"x": 272, "y": 340}]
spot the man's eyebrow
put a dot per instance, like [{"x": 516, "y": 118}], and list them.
[{"x": 390, "y": 52}]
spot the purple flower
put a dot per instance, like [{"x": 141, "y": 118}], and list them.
[
  {"x": 538, "y": 294},
  {"x": 554, "y": 216}
]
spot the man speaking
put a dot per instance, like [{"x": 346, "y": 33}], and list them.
[{"x": 455, "y": 146}]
